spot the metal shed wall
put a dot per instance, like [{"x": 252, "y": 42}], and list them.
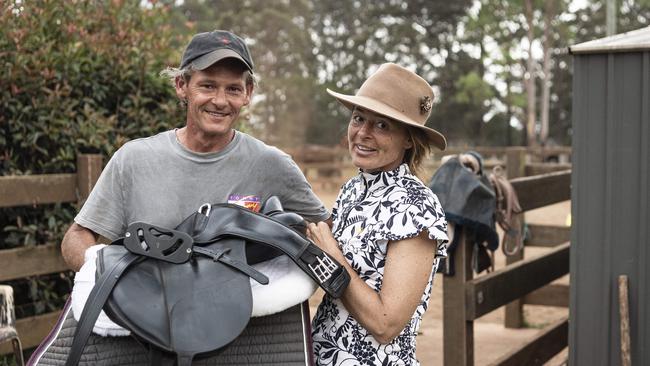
[{"x": 610, "y": 205}]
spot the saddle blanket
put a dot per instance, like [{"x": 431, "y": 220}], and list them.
[{"x": 279, "y": 339}]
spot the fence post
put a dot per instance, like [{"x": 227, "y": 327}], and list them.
[
  {"x": 458, "y": 332},
  {"x": 89, "y": 167},
  {"x": 516, "y": 167}
]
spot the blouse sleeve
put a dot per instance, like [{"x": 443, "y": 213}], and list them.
[{"x": 406, "y": 214}]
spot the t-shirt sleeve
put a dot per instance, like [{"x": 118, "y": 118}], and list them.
[
  {"x": 406, "y": 216},
  {"x": 103, "y": 211},
  {"x": 296, "y": 193}
]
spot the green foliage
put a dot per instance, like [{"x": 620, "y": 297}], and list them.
[
  {"x": 353, "y": 37},
  {"x": 75, "y": 77},
  {"x": 80, "y": 76},
  {"x": 473, "y": 89},
  {"x": 302, "y": 47}
]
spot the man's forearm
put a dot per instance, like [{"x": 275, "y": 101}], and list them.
[{"x": 75, "y": 242}]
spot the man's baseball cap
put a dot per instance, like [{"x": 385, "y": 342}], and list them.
[{"x": 209, "y": 47}]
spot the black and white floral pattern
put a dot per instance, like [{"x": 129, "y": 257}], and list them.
[{"x": 370, "y": 211}]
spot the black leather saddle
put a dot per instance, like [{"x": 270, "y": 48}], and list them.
[{"x": 186, "y": 291}]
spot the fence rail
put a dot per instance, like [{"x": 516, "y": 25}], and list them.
[
  {"x": 37, "y": 189},
  {"x": 498, "y": 288},
  {"x": 31, "y": 190},
  {"x": 329, "y": 168},
  {"x": 31, "y": 261},
  {"x": 556, "y": 187},
  {"x": 460, "y": 291},
  {"x": 543, "y": 347}
]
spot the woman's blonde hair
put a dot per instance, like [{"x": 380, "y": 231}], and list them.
[{"x": 421, "y": 148}]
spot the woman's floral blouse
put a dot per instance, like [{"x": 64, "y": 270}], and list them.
[{"x": 371, "y": 211}]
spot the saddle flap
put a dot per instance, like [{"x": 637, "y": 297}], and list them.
[
  {"x": 209, "y": 319},
  {"x": 187, "y": 309}
]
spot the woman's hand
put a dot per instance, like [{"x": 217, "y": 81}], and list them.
[{"x": 321, "y": 234}]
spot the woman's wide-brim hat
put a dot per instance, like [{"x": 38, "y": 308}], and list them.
[{"x": 399, "y": 94}]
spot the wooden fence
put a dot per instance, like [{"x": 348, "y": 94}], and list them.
[
  {"x": 521, "y": 281},
  {"x": 327, "y": 169},
  {"x": 31, "y": 190}
]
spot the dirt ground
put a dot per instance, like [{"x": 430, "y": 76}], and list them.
[{"x": 491, "y": 339}]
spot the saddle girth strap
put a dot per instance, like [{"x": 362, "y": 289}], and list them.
[{"x": 232, "y": 220}]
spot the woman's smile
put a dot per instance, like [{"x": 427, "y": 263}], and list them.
[{"x": 376, "y": 143}]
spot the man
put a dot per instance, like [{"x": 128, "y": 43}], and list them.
[{"x": 162, "y": 179}]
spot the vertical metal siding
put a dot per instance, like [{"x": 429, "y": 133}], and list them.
[
  {"x": 606, "y": 209},
  {"x": 625, "y": 186},
  {"x": 589, "y": 140},
  {"x": 642, "y": 343},
  {"x": 610, "y": 205}
]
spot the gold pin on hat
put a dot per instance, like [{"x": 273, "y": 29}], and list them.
[{"x": 425, "y": 104}]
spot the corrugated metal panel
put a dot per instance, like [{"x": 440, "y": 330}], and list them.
[
  {"x": 643, "y": 342},
  {"x": 588, "y": 126},
  {"x": 610, "y": 204}
]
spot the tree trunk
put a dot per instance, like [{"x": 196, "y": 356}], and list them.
[
  {"x": 530, "y": 78},
  {"x": 508, "y": 113},
  {"x": 546, "y": 67}
]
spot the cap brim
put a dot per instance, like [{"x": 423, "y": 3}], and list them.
[
  {"x": 350, "y": 101},
  {"x": 211, "y": 58}
]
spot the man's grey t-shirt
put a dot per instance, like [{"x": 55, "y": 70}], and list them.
[{"x": 158, "y": 181}]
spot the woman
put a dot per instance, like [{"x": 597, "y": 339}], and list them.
[{"x": 388, "y": 228}]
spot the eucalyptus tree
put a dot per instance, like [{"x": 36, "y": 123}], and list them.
[
  {"x": 353, "y": 37},
  {"x": 302, "y": 47},
  {"x": 283, "y": 52},
  {"x": 580, "y": 25},
  {"x": 522, "y": 40}
]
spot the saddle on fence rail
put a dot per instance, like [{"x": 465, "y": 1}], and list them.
[
  {"x": 187, "y": 291},
  {"x": 468, "y": 200}
]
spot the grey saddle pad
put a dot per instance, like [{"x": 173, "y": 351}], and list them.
[{"x": 278, "y": 339}]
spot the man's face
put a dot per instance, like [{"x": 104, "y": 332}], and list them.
[{"x": 214, "y": 97}]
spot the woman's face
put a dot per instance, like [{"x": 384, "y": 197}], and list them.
[{"x": 376, "y": 143}]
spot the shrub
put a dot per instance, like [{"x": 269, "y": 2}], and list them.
[{"x": 75, "y": 76}]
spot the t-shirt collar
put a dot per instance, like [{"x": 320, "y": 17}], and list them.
[{"x": 209, "y": 157}]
